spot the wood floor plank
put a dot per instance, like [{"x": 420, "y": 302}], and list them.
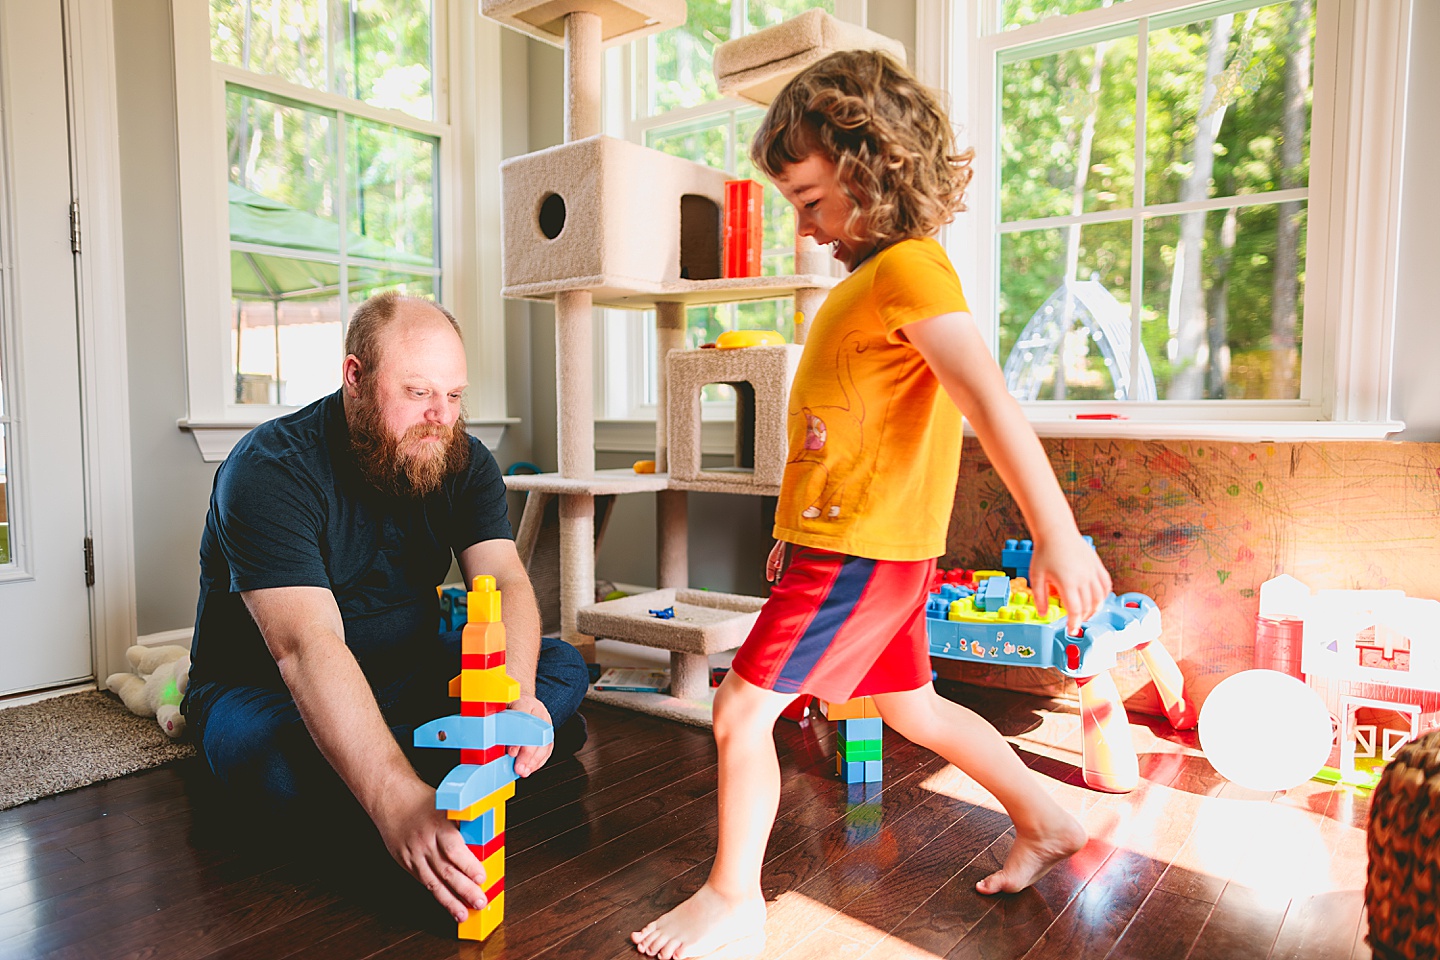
[
  {"x": 1316, "y": 928},
  {"x": 1166, "y": 925},
  {"x": 1243, "y": 925}
]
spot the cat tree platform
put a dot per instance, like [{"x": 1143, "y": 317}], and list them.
[
  {"x": 628, "y": 293},
  {"x": 757, "y": 66},
  {"x": 705, "y": 623},
  {"x": 600, "y": 483}
]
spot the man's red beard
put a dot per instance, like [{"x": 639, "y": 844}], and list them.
[{"x": 409, "y": 465}]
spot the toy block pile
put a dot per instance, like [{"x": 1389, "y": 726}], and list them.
[
  {"x": 857, "y": 756},
  {"x": 475, "y": 791}
]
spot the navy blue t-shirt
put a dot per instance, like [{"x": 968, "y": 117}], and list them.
[{"x": 290, "y": 508}]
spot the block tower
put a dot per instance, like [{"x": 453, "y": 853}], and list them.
[
  {"x": 857, "y": 752},
  {"x": 474, "y": 793}
]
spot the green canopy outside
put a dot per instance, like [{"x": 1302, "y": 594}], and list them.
[{"x": 276, "y": 277}]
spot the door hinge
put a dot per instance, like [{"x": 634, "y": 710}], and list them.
[
  {"x": 74, "y": 226},
  {"x": 89, "y": 561}
]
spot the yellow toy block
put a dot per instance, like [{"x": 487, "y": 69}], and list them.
[
  {"x": 982, "y": 575},
  {"x": 455, "y": 686},
  {"x": 483, "y": 602},
  {"x": 868, "y": 705},
  {"x": 494, "y": 866},
  {"x": 481, "y": 923},
  {"x": 482, "y": 637},
  {"x": 488, "y": 686},
  {"x": 496, "y": 800}
]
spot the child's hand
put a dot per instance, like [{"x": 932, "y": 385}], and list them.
[
  {"x": 775, "y": 562},
  {"x": 1070, "y": 567}
]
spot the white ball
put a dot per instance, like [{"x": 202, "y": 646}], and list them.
[{"x": 1265, "y": 730}]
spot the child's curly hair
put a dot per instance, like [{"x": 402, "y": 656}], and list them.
[{"x": 888, "y": 135}]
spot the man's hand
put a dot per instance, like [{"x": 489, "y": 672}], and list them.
[
  {"x": 425, "y": 842},
  {"x": 530, "y": 759}
]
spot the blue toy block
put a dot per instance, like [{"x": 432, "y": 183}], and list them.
[
  {"x": 994, "y": 593},
  {"x": 872, "y": 771},
  {"x": 868, "y": 728},
  {"x": 1015, "y": 557},
  {"x": 513, "y": 728},
  {"x": 937, "y": 607},
  {"x": 950, "y": 592},
  {"x": 479, "y": 831},
  {"x": 853, "y": 771},
  {"x": 468, "y": 783}
]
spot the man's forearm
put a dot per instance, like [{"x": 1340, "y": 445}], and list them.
[
  {"x": 521, "y": 617},
  {"x": 339, "y": 710}
]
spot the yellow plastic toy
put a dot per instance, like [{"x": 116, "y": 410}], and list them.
[{"x": 735, "y": 339}]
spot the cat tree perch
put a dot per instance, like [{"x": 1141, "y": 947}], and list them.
[{"x": 601, "y": 221}]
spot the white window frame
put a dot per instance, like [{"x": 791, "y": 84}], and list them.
[
  {"x": 466, "y": 80},
  {"x": 624, "y": 342},
  {"x": 1357, "y": 140}
]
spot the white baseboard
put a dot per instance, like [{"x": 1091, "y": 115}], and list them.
[{"x": 180, "y": 637}]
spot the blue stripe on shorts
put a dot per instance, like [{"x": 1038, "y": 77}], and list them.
[{"x": 835, "y": 609}]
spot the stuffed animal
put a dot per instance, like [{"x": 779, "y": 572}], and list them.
[{"x": 157, "y": 686}]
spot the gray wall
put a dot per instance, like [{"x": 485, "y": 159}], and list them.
[{"x": 171, "y": 483}]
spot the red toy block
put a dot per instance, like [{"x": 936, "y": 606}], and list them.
[
  {"x": 483, "y": 853},
  {"x": 482, "y": 757},
  {"x": 744, "y": 227},
  {"x": 482, "y": 661},
  {"x": 478, "y": 708}
]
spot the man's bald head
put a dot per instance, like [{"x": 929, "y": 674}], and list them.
[{"x": 365, "y": 339}]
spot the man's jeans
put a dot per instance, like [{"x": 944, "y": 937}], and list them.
[{"x": 259, "y": 749}]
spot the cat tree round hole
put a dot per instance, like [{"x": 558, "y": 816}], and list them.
[{"x": 552, "y": 215}]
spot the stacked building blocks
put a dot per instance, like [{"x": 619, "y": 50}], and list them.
[
  {"x": 744, "y": 227},
  {"x": 996, "y": 621},
  {"x": 474, "y": 792},
  {"x": 857, "y": 753}
]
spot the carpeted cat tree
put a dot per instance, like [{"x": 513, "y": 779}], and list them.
[{"x": 601, "y": 221}]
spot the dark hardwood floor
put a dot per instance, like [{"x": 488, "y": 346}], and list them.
[{"x": 1187, "y": 866}]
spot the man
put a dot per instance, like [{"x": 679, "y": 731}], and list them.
[{"x": 316, "y": 648}]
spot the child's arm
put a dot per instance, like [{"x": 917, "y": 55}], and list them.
[{"x": 952, "y": 347}]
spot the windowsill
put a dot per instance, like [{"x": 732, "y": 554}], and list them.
[
  {"x": 717, "y": 436},
  {"x": 215, "y": 439},
  {"x": 638, "y": 436},
  {"x": 1239, "y": 431}
]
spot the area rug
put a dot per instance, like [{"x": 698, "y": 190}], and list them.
[
  {"x": 74, "y": 740},
  {"x": 694, "y": 712}
]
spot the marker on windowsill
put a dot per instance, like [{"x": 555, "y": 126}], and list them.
[{"x": 1101, "y": 416}]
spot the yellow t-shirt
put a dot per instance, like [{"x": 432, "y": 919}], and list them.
[{"x": 874, "y": 438}]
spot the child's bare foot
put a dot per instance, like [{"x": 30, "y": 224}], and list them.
[
  {"x": 1033, "y": 855},
  {"x": 703, "y": 924}
]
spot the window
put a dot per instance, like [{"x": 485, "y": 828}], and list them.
[
  {"x": 1145, "y": 217},
  {"x": 661, "y": 92},
  {"x": 327, "y": 154}
]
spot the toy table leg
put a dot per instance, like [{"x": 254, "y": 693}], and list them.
[
  {"x": 1170, "y": 684},
  {"x": 1107, "y": 753}
]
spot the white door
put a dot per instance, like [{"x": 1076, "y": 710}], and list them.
[{"x": 44, "y": 597}]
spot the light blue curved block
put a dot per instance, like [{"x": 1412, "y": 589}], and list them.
[
  {"x": 467, "y": 783},
  {"x": 512, "y": 728}
]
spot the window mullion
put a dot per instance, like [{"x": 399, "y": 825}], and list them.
[{"x": 1137, "y": 226}]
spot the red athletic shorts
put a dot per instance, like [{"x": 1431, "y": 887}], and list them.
[{"x": 841, "y": 627}]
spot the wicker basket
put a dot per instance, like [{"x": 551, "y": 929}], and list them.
[{"x": 1404, "y": 855}]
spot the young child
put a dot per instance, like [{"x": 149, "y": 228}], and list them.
[{"x": 865, "y": 154}]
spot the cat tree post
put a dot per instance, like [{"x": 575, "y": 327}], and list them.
[
  {"x": 689, "y": 673},
  {"x": 810, "y": 258},
  {"x": 574, "y": 349}
]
